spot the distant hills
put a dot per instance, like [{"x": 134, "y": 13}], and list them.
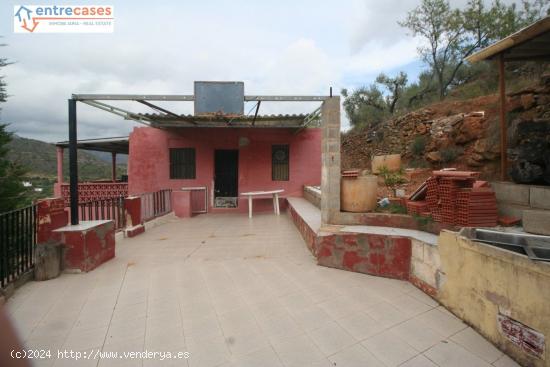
[{"x": 40, "y": 159}]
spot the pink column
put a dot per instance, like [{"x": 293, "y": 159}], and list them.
[
  {"x": 113, "y": 168},
  {"x": 59, "y": 165}
]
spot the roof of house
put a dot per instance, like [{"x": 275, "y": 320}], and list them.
[
  {"x": 117, "y": 145},
  {"x": 529, "y": 43},
  {"x": 234, "y": 121}
]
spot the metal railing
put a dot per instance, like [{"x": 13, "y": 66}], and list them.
[
  {"x": 105, "y": 209},
  {"x": 155, "y": 204},
  {"x": 18, "y": 229}
]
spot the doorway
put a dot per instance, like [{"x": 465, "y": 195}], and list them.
[{"x": 226, "y": 178}]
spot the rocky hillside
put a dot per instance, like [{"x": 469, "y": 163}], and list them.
[{"x": 463, "y": 134}]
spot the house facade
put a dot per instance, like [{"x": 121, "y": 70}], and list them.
[{"x": 225, "y": 161}]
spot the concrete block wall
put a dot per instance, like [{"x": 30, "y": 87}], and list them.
[
  {"x": 425, "y": 266},
  {"x": 330, "y": 160},
  {"x": 530, "y": 203}
]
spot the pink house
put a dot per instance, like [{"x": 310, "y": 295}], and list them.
[
  {"x": 216, "y": 154},
  {"x": 225, "y": 161}
]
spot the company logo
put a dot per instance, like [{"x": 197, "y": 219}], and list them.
[{"x": 63, "y": 18}]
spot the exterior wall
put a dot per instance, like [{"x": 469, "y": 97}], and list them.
[
  {"x": 308, "y": 234},
  {"x": 88, "y": 245},
  {"x": 387, "y": 256},
  {"x": 181, "y": 204},
  {"x": 148, "y": 163},
  {"x": 425, "y": 267},
  {"x": 481, "y": 281}
]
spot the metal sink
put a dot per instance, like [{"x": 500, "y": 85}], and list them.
[{"x": 534, "y": 246}]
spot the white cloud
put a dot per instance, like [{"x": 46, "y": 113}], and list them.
[
  {"x": 281, "y": 47},
  {"x": 376, "y": 57}
]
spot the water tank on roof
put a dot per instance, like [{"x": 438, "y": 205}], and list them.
[{"x": 226, "y": 98}]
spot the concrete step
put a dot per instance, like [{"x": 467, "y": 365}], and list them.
[
  {"x": 309, "y": 213},
  {"x": 512, "y": 210},
  {"x": 539, "y": 197},
  {"x": 537, "y": 221},
  {"x": 509, "y": 192},
  {"x": 534, "y": 196}
]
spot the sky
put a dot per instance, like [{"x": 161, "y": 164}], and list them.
[{"x": 161, "y": 47}]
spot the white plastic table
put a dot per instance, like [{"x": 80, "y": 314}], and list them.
[{"x": 254, "y": 194}]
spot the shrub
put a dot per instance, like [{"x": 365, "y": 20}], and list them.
[
  {"x": 418, "y": 163},
  {"x": 418, "y": 145},
  {"x": 392, "y": 179},
  {"x": 450, "y": 154}
]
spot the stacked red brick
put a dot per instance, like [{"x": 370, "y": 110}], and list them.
[
  {"x": 432, "y": 198},
  {"x": 417, "y": 207},
  {"x": 447, "y": 189},
  {"x": 453, "y": 197},
  {"x": 476, "y": 207}
]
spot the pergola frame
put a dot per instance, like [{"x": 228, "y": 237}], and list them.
[
  {"x": 531, "y": 43},
  {"x": 97, "y": 101}
]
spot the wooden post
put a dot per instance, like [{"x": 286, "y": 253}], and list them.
[
  {"x": 503, "y": 123},
  {"x": 59, "y": 166},
  {"x": 113, "y": 166},
  {"x": 73, "y": 159}
]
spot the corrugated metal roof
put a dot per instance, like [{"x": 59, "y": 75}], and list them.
[
  {"x": 219, "y": 120},
  {"x": 529, "y": 43}
]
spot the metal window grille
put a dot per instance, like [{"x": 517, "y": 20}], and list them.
[
  {"x": 182, "y": 163},
  {"x": 280, "y": 162}
]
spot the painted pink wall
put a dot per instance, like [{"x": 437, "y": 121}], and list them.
[{"x": 148, "y": 161}]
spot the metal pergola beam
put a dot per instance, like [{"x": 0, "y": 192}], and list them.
[
  {"x": 190, "y": 98},
  {"x": 285, "y": 98},
  {"x": 93, "y": 100},
  {"x": 158, "y": 108},
  {"x": 315, "y": 115},
  {"x": 134, "y": 97},
  {"x": 256, "y": 113},
  {"x": 119, "y": 112}
]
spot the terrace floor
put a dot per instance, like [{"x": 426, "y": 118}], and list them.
[{"x": 234, "y": 291}]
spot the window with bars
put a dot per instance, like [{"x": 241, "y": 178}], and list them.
[
  {"x": 279, "y": 163},
  {"x": 182, "y": 163}
]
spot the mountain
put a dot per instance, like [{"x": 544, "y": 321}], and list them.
[
  {"x": 106, "y": 157},
  {"x": 40, "y": 159}
]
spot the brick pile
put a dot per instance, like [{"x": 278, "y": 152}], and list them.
[
  {"x": 417, "y": 207},
  {"x": 476, "y": 207},
  {"x": 456, "y": 198}
]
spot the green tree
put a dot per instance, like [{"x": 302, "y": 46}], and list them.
[
  {"x": 451, "y": 35},
  {"x": 12, "y": 191},
  {"x": 395, "y": 86},
  {"x": 365, "y": 106},
  {"x": 368, "y": 106}
]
